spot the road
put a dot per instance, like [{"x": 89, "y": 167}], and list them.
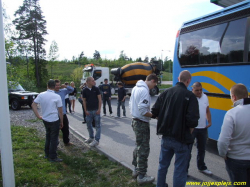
[{"x": 118, "y": 142}]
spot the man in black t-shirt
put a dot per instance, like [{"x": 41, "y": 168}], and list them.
[{"x": 92, "y": 103}]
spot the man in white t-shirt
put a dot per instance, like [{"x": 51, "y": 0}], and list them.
[
  {"x": 200, "y": 132},
  {"x": 51, "y": 105}
]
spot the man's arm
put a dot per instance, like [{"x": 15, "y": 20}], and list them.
[
  {"x": 85, "y": 106},
  {"x": 208, "y": 113},
  {"x": 99, "y": 104},
  {"x": 192, "y": 114},
  {"x": 34, "y": 108},
  {"x": 225, "y": 135},
  {"x": 60, "y": 111},
  {"x": 69, "y": 90}
]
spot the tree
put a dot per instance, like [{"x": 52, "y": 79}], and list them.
[
  {"x": 9, "y": 32},
  {"x": 96, "y": 55},
  {"x": 53, "y": 50},
  {"x": 146, "y": 59},
  {"x": 31, "y": 25}
]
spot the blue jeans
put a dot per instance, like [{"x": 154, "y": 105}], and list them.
[
  {"x": 119, "y": 104},
  {"x": 169, "y": 147},
  {"x": 238, "y": 170},
  {"x": 89, "y": 119},
  {"x": 201, "y": 137},
  {"x": 52, "y": 132},
  {"x": 104, "y": 100}
]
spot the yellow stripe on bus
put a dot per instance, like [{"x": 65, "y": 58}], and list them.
[
  {"x": 222, "y": 79},
  {"x": 220, "y": 103},
  {"x": 211, "y": 88},
  {"x": 136, "y": 72}
]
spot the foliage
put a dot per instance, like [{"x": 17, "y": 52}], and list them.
[
  {"x": 53, "y": 50},
  {"x": 96, "y": 55},
  {"x": 79, "y": 167},
  {"x": 76, "y": 76},
  {"x": 31, "y": 26},
  {"x": 168, "y": 65}
]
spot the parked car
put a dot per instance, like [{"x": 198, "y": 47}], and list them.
[{"x": 19, "y": 97}]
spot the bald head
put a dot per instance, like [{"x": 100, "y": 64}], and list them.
[
  {"x": 185, "y": 77},
  {"x": 239, "y": 91},
  {"x": 90, "y": 82}
]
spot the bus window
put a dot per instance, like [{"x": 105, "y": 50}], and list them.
[
  {"x": 201, "y": 46},
  {"x": 219, "y": 44},
  {"x": 232, "y": 46},
  {"x": 97, "y": 74}
]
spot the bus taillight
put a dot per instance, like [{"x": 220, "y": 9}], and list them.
[{"x": 178, "y": 33}]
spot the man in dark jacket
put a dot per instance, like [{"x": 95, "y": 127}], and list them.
[
  {"x": 177, "y": 110},
  {"x": 106, "y": 96}
]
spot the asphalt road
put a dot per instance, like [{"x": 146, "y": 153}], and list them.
[{"x": 118, "y": 142}]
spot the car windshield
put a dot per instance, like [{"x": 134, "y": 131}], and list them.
[{"x": 16, "y": 87}]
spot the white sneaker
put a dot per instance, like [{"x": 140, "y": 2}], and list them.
[
  {"x": 117, "y": 116},
  {"x": 134, "y": 174},
  {"x": 104, "y": 115},
  {"x": 94, "y": 143},
  {"x": 145, "y": 179},
  {"x": 89, "y": 140},
  {"x": 110, "y": 115},
  {"x": 206, "y": 171},
  {"x": 123, "y": 116}
]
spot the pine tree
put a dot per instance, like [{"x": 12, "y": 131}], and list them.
[{"x": 31, "y": 25}]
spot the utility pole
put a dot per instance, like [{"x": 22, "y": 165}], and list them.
[{"x": 5, "y": 133}]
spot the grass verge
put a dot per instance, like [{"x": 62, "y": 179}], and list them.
[{"x": 80, "y": 167}]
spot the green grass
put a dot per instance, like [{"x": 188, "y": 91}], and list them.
[
  {"x": 79, "y": 167},
  {"x": 166, "y": 76}
]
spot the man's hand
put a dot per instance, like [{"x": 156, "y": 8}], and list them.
[
  {"x": 209, "y": 125},
  {"x": 109, "y": 98},
  {"x": 98, "y": 112},
  {"x": 40, "y": 117},
  {"x": 87, "y": 113},
  {"x": 61, "y": 125},
  {"x": 191, "y": 130}
]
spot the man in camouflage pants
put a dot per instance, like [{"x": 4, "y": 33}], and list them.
[{"x": 140, "y": 110}]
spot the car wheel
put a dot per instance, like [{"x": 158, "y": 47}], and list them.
[{"x": 15, "y": 105}]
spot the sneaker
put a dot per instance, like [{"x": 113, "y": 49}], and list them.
[
  {"x": 94, "y": 143},
  {"x": 104, "y": 115},
  {"x": 68, "y": 144},
  {"x": 145, "y": 179},
  {"x": 83, "y": 122},
  {"x": 117, "y": 116},
  {"x": 123, "y": 116},
  {"x": 206, "y": 171},
  {"x": 110, "y": 115},
  {"x": 89, "y": 140},
  {"x": 56, "y": 160},
  {"x": 134, "y": 174}
]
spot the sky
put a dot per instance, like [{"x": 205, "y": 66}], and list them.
[{"x": 140, "y": 28}]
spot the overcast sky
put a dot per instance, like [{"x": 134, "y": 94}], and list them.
[{"x": 138, "y": 27}]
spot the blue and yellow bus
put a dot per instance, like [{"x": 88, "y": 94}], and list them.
[{"x": 215, "y": 49}]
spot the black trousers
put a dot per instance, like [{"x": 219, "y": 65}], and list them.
[
  {"x": 65, "y": 129},
  {"x": 67, "y": 102}
]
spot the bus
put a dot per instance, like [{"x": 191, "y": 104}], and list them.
[{"x": 215, "y": 49}]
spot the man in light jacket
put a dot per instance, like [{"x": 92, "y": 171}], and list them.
[
  {"x": 234, "y": 140},
  {"x": 140, "y": 110}
]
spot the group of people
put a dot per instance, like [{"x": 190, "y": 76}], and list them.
[
  {"x": 182, "y": 116},
  {"x": 52, "y": 103}
]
